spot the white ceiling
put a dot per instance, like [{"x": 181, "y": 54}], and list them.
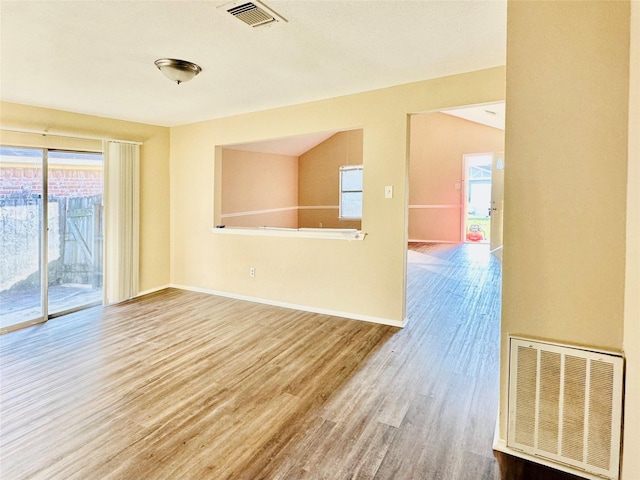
[{"x": 96, "y": 56}]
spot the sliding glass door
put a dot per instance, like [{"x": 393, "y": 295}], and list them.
[
  {"x": 51, "y": 261},
  {"x": 21, "y": 235},
  {"x": 75, "y": 230}
]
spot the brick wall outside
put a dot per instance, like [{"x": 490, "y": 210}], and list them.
[{"x": 21, "y": 181}]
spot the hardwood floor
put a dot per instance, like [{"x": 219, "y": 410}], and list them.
[{"x": 183, "y": 385}]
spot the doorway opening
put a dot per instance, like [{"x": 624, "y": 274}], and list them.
[
  {"x": 483, "y": 199},
  {"x": 477, "y": 198},
  {"x": 52, "y": 250},
  {"x": 455, "y": 194}
]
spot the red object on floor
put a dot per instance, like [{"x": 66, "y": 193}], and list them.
[{"x": 474, "y": 236}]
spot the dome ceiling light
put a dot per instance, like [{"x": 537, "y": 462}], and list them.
[{"x": 178, "y": 71}]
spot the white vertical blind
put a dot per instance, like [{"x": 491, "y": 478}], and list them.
[{"x": 122, "y": 214}]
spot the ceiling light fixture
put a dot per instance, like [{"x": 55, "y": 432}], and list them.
[{"x": 177, "y": 70}]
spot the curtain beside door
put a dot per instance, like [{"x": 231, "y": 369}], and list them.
[{"x": 122, "y": 215}]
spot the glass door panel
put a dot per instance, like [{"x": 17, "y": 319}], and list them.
[
  {"x": 477, "y": 205},
  {"x": 21, "y": 236},
  {"x": 75, "y": 232}
]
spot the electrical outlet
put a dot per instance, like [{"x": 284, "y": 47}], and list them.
[{"x": 252, "y": 272}]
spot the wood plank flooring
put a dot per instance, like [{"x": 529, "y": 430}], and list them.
[{"x": 183, "y": 385}]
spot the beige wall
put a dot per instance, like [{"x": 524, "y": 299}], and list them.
[
  {"x": 154, "y": 170},
  {"x": 255, "y": 182},
  {"x": 358, "y": 279},
  {"x": 319, "y": 179},
  {"x": 631, "y": 464},
  {"x": 566, "y": 184},
  {"x": 438, "y": 142}
]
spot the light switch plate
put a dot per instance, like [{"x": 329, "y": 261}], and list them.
[{"x": 388, "y": 191}]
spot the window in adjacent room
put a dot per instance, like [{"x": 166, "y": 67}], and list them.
[
  {"x": 290, "y": 182},
  {"x": 351, "y": 192}
]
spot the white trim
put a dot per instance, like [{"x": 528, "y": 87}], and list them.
[
  {"x": 452, "y": 205},
  {"x": 294, "y": 306},
  {"x": 67, "y": 135},
  {"x": 326, "y": 233},
  {"x": 153, "y": 290},
  {"x": 257, "y": 212},
  {"x": 347, "y": 168},
  {"x": 589, "y": 349},
  {"x": 282, "y": 209}
]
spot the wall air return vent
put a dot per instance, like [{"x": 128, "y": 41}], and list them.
[
  {"x": 253, "y": 13},
  {"x": 565, "y": 405}
]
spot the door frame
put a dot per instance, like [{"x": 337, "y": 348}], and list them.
[
  {"x": 465, "y": 192},
  {"x": 497, "y": 204}
]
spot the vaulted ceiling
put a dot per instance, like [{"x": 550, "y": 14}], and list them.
[{"x": 97, "y": 57}]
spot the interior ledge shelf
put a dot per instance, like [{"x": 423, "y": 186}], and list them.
[{"x": 326, "y": 233}]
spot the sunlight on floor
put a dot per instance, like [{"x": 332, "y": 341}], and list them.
[{"x": 478, "y": 253}]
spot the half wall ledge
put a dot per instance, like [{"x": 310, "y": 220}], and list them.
[{"x": 325, "y": 233}]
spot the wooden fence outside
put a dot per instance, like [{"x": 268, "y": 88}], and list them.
[{"x": 80, "y": 237}]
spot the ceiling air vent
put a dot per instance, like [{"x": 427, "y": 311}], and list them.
[{"x": 254, "y": 13}]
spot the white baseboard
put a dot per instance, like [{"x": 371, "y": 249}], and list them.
[
  {"x": 152, "y": 290},
  {"x": 294, "y": 306}
]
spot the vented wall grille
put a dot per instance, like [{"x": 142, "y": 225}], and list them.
[
  {"x": 565, "y": 404},
  {"x": 254, "y": 13}
]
